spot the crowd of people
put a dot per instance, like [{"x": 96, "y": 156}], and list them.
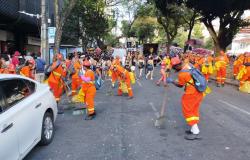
[{"x": 86, "y": 72}]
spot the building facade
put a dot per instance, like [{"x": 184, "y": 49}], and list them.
[
  {"x": 18, "y": 31},
  {"x": 241, "y": 42}
]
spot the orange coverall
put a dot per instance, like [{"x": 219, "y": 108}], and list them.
[
  {"x": 206, "y": 62},
  {"x": 191, "y": 100},
  {"x": 123, "y": 75},
  {"x": 114, "y": 77},
  {"x": 75, "y": 78},
  {"x": 55, "y": 80},
  {"x": 246, "y": 76},
  {"x": 27, "y": 72},
  {"x": 237, "y": 63},
  {"x": 89, "y": 91},
  {"x": 221, "y": 63}
]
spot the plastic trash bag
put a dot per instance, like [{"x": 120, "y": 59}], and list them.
[
  {"x": 79, "y": 98},
  {"x": 132, "y": 77},
  {"x": 245, "y": 87}
]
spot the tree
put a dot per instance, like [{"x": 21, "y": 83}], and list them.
[
  {"x": 170, "y": 15},
  {"x": 209, "y": 43},
  {"x": 126, "y": 29},
  {"x": 191, "y": 17},
  {"x": 197, "y": 31},
  {"x": 60, "y": 18},
  {"x": 229, "y": 13},
  {"x": 88, "y": 23}
]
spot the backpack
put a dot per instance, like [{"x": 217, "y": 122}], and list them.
[
  {"x": 40, "y": 65},
  {"x": 200, "y": 82}
]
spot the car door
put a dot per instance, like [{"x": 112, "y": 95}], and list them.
[
  {"x": 8, "y": 137},
  {"x": 24, "y": 101}
]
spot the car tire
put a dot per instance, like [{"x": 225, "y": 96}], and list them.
[{"x": 48, "y": 129}]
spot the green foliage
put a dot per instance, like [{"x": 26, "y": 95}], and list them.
[
  {"x": 229, "y": 13},
  {"x": 126, "y": 29},
  {"x": 209, "y": 44},
  {"x": 170, "y": 16},
  {"x": 197, "y": 33},
  {"x": 181, "y": 37},
  {"x": 111, "y": 40},
  {"x": 88, "y": 22}
]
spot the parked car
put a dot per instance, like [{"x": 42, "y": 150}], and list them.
[{"x": 28, "y": 111}]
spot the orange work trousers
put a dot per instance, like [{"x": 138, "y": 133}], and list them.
[
  {"x": 57, "y": 89},
  {"x": 89, "y": 99},
  {"x": 191, "y": 107},
  {"x": 207, "y": 76},
  {"x": 75, "y": 84},
  {"x": 113, "y": 78},
  {"x": 128, "y": 84},
  {"x": 236, "y": 70},
  {"x": 221, "y": 75}
]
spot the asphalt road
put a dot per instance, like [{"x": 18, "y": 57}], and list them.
[{"x": 124, "y": 129}]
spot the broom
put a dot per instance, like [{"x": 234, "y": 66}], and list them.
[{"x": 160, "y": 121}]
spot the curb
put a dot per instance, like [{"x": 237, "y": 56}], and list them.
[{"x": 229, "y": 81}]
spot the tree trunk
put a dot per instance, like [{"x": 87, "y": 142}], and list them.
[
  {"x": 67, "y": 8},
  {"x": 214, "y": 36}
]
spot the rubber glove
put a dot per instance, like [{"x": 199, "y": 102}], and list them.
[
  {"x": 85, "y": 79},
  {"x": 170, "y": 80}
]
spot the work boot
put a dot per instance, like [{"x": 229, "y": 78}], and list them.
[
  {"x": 90, "y": 117},
  {"x": 130, "y": 98},
  {"x": 188, "y": 132},
  {"x": 192, "y": 137},
  {"x": 218, "y": 85},
  {"x": 222, "y": 85}
]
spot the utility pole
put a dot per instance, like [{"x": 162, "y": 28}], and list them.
[{"x": 44, "y": 32}]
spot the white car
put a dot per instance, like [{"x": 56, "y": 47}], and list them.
[{"x": 28, "y": 111}]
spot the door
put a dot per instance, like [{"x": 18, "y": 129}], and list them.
[
  {"x": 22, "y": 98},
  {"x": 8, "y": 136}
]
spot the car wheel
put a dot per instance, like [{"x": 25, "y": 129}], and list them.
[{"x": 48, "y": 129}]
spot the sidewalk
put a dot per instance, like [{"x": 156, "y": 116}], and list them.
[{"x": 228, "y": 81}]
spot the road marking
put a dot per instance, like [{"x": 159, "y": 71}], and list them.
[
  {"x": 157, "y": 114},
  {"x": 235, "y": 107},
  {"x": 139, "y": 83}
]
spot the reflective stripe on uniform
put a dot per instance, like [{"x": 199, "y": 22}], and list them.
[
  {"x": 192, "y": 119},
  {"x": 90, "y": 82},
  {"x": 57, "y": 74},
  {"x": 191, "y": 82},
  {"x": 91, "y": 109}
]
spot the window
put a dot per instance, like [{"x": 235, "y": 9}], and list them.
[
  {"x": 14, "y": 91},
  {"x": 31, "y": 85},
  {"x": 1, "y": 102}
]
